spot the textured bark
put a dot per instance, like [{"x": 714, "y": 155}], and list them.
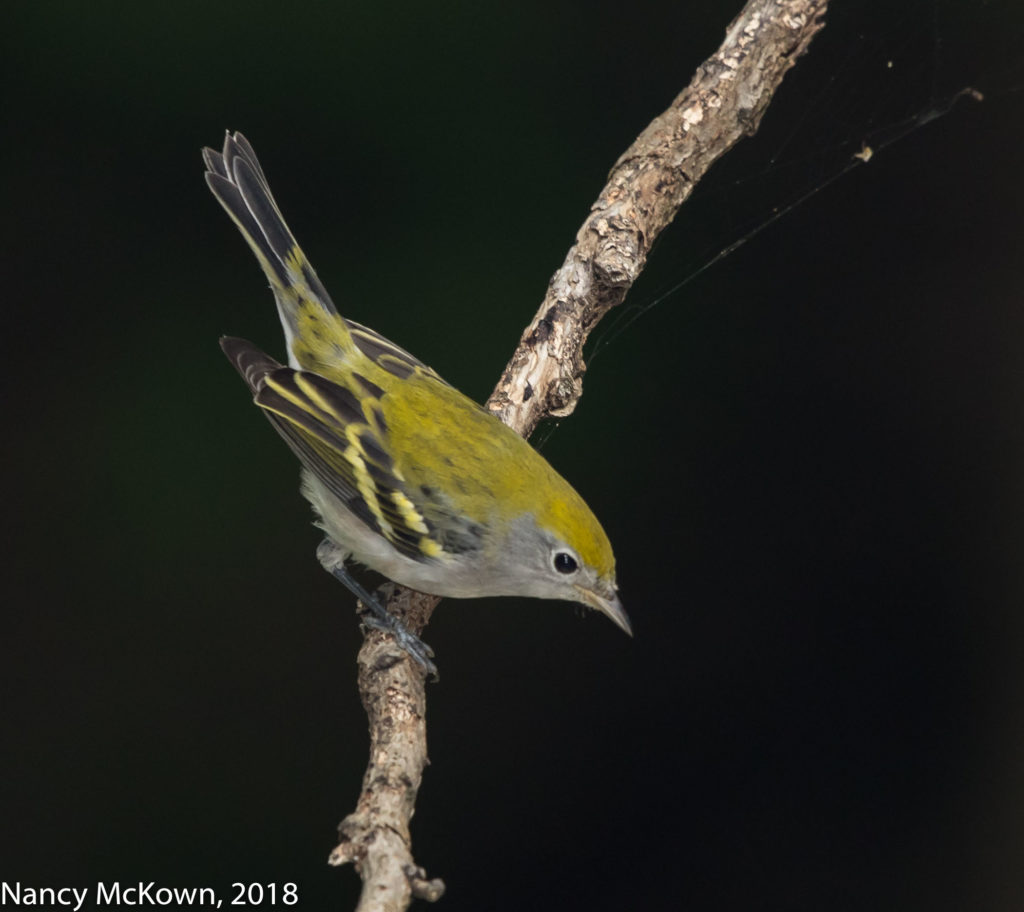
[
  {"x": 724, "y": 102},
  {"x": 375, "y": 837}
]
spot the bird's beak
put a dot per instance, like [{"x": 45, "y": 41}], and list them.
[{"x": 608, "y": 604}]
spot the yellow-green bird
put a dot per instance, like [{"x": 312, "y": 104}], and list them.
[{"x": 406, "y": 474}]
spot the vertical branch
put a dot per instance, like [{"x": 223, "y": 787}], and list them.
[
  {"x": 375, "y": 837},
  {"x": 724, "y": 102}
]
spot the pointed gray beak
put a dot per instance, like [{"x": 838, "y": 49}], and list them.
[{"x": 608, "y": 605}]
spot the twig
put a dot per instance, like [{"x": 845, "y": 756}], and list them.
[
  {"x": 653, "y": 178},
  {"x": 375, "y": 837},
  {"x": 725, "y": 101}
]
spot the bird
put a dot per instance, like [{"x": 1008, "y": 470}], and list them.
[{"x": 406, "y": 475}]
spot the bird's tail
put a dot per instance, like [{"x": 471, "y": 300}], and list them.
[{"x": 238, "y": 182}]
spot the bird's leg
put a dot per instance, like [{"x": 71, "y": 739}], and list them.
[{"x": 332, "y": 559}]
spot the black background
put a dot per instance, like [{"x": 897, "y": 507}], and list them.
[{"x": 810, "y": 459}]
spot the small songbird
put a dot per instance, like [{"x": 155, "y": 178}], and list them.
[{"x": 406, "y": 474}]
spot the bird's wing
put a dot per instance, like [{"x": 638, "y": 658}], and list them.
[
  {"x": 341, "y": 437},
  {"x": 392, "y": 358}
]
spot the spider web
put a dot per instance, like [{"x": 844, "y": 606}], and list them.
[{"x": 875, "y": 75}]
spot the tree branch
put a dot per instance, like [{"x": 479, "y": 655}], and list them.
[
  {"x": 651, "y": 180},
  {"x": 725, "y": 101}
]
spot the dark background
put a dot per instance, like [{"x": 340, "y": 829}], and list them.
[{"x": 809, "y": 458}]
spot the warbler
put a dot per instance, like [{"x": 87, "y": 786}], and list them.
[{"x": 407, "y": 476}]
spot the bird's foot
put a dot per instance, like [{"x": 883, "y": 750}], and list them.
[{"x": 374, "y": 614}]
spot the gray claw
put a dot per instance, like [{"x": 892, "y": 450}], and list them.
[{"x": 376, "y": 615}]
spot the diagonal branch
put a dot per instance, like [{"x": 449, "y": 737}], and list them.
[
  {"x": 725, "y": 101},
  {"x": 651, "y": 180}
]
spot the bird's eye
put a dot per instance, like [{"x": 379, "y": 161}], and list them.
[{"x": 565, "y": 563}]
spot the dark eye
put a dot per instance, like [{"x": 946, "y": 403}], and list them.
[{"x": 565, "y": 563}]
